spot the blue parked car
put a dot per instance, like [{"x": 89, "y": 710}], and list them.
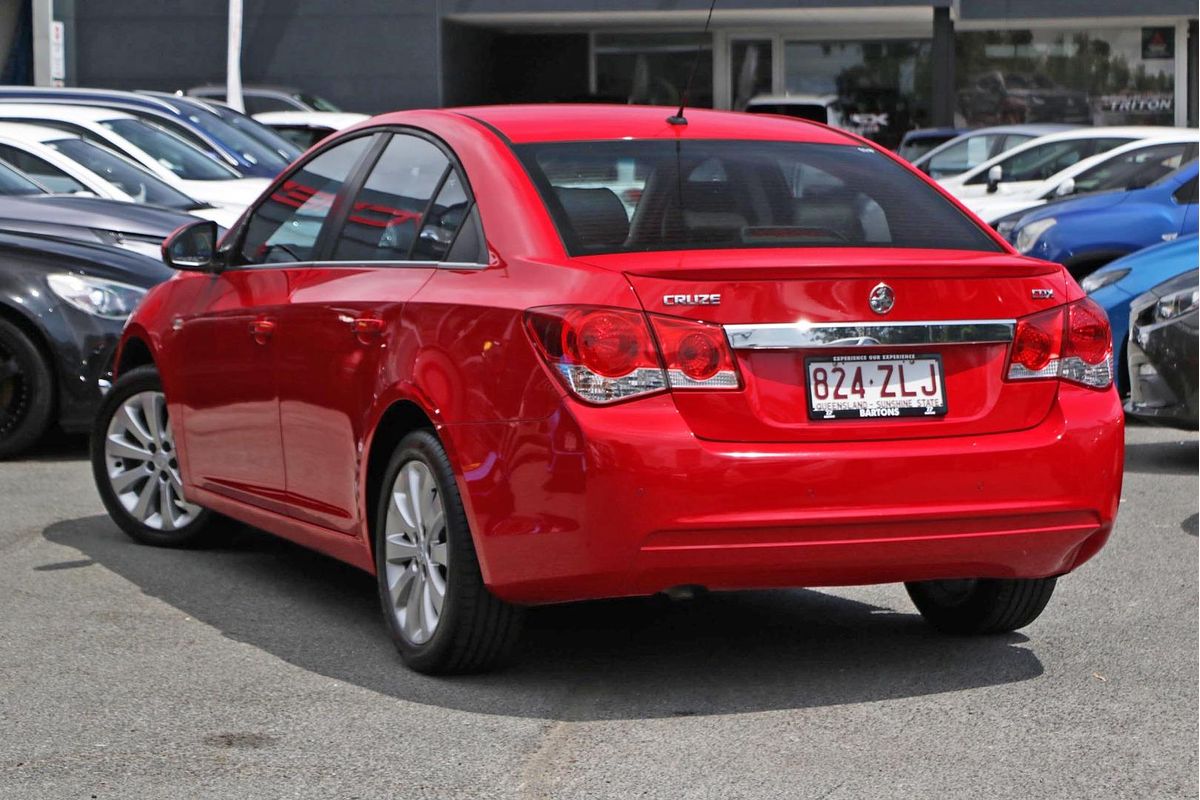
[
  {"x": 1116, "y": 285},
  {"x": 185, "y": 117},
  {"x": 1085, "y": 233}
]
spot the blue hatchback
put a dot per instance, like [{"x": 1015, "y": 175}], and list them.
[
  {"x": 1116, "y": 285},
  {"x": 1085, "y": 233}
]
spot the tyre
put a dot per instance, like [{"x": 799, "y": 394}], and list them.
[
  {"x": 983, "y": 605},
  {"x": 439, "y": 613},
  {"x": 26, "y": 391},
  {"x": 135, "y": 467}
]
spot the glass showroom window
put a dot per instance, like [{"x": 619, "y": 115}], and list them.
[
  {"x": 1088, "y": 77},
  {"x": 881, "y": 87},
  {"x": 749, "y": 70},
  {"x": 652, "y": 68}
]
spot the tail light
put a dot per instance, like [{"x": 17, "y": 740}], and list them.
[
  {"x": 1070, "y": 343},
  {"x": 604, "y": 355},
  {"x": 697, "y": 354}
]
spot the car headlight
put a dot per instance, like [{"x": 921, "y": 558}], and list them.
[
  {"x": 1176, "y": 304},
  {"x": 1027, "y": 237},
  {"x": 1098, "y": 280},
  {"x": 96, "y": 296}
]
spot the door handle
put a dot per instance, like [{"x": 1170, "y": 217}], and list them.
[
  {"x": 365, "y": 329},
  {"x": 262, "y": 330}
]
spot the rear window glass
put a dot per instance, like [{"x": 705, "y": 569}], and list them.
[{"x": 631, "y": 196}]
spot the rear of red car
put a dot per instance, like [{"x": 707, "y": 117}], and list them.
[{"x": 828, "y": 374}]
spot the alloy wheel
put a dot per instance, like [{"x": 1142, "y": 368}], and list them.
[
  {"x": 416, "y": 552},
  {"x": 142, "y": 467},
  {"x": 14, "y": 391}
]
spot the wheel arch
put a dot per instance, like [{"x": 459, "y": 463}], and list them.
[
  {"x": 133, "y": 351},
  {"x": 29, "y": 326},
  {"x": 395, "y": 420}
]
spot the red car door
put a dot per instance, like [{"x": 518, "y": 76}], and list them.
[
  {"x": 349, "y": 307},
  {"x": 229, "y": 344}
]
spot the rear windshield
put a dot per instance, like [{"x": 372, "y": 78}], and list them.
[{"x": 633, "y": 196}]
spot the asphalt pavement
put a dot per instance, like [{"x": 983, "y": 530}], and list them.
[{"x": 256, "y": 669}]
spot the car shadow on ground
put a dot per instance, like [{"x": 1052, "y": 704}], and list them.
[
  {"x": 58, "y": 446},
  {"x": 1164, "y": 458},
  {"x": 637, "y": 658}
]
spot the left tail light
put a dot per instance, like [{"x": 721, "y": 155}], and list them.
[
  {"x": 604, "y": 355},
  {"x": 1071, "y": 343}
]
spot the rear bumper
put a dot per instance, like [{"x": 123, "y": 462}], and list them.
[{"x": 625, "y": 500}]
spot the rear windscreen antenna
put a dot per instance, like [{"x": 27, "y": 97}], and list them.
[{"x": 678, "y": 118}]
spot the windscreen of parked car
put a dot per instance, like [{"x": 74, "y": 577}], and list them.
[
  {"x": 913, "y": 149},
  {"x": 317, "y": 103},
  {"x": 240, "y": 141},
  {"x": 631, "y": 196},
  {"x": 124, "y": 174},
  {"x": 181, "y": 158},
  {"x": 1135, "y": 169},
  {"x": 259, "y": 132},
  {"x": 14, "y": 184},
  {"x": 39, "y": 169}
]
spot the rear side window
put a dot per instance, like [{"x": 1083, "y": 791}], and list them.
[
  {"x": 1135, "y": 169},
  {"x": 386, "y": 215},
  {"x": 1187, "y": 193},
  {"x": 285, "y": 226},
  {"x": 630, "y": 196}
]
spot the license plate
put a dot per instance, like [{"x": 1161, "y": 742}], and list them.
[{"x": 875, "y": 386}]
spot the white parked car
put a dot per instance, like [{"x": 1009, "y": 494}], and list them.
[
  {"x": 821, "y": 108},
  {"x": 68, "y": 164},
  {"x": 1130, "y": 166},
  {"x": 306, "y": 128},
  {"x": 159, "y": 151},
  {"x": 1019, "y": 169}
]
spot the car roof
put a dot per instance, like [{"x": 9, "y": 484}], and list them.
[
  {"x": 323, "y": 119},
  {"x": 74, "y": 96},
  {"x": 578, "y": 122},
  {"x": 787, "y": 99},
  {"x": 248, "y": 87},
  {"x": 66, "y": 113},
  {"x": 925, "y": 133},
  {"x": 30, "y": 133}
]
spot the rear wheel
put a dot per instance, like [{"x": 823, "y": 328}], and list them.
[
  {"x": 135, "y": 466},
  {"x": 440, "y": 615},
  {"x": 981, "y": 605},
  {"x": 26, "y": 391}
]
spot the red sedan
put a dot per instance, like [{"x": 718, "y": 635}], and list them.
[{"x": 518, "y": 355}]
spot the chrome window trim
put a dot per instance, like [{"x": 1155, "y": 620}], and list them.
[{"x": 801, "y": 335}]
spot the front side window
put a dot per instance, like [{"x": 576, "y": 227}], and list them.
[
  {"x": 386, "y": 215},
  {"x": 631, "y": 196},
  {"x": 41, "y": 171},
  {"x": 1044, "y": 161},
  {"x": 284, "y": 227},
  {"x": 181, "y": 158},
  {"x": 961, "y": 156}
]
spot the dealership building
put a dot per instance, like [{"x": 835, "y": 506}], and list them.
[{"x": 900, "y": 63}]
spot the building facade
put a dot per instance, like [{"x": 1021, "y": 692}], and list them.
[{"x": 889, "y": 65}]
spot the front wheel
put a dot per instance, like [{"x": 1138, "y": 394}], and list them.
[
  {"x": 981, "y": 605},
  {"x": 440, "y": 614},
  {"x": 136, "y": 467}
]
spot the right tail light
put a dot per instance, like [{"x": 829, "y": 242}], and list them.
[
  {"x": 1071, "y": 343},
  {"x": 604, "y": 355}
]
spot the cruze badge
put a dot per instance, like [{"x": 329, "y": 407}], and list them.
[
  {"x": 691, "y": 299},
  {"x": 882, "y": 298}
]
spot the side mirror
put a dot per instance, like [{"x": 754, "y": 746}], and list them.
[
  {"x": 192, "y": 246},
  {"x": 994, "y": 175},
  {"x": 1065, "y": 188}
]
